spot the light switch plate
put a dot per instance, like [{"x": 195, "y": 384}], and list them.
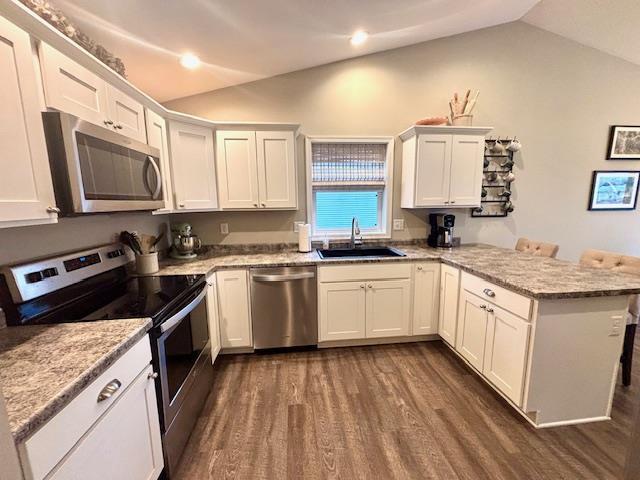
[
  {"x": 224, "y": 228},
  {"x": 398, "y": 224},
  {"x": 296, "y": 226}
]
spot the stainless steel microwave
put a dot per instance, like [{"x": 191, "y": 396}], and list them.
[{"x": 95, "y": 169}]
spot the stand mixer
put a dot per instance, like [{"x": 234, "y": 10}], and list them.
[{"x": 184, "y": 242}]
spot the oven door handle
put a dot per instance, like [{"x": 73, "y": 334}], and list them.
[{"x": 175, "y": 319}]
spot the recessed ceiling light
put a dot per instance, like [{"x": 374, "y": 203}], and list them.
[
  {"x": 359, "y": 38},
  {"x": 190, "y": 61}
]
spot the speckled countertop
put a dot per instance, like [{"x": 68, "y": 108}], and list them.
[
  {"x": 43, "y": 367},
  {"x": 533, "y": 276}
]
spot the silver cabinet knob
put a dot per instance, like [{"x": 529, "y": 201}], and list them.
[
  {"x": 419, "y": 267},
  {"x": 489, "y": 310},
  {"x": 109, "y": 389},
  {"x": 153, "y": 375},
  {"x": 483, "y": 307},
  {"x": 370, "y": 286},
  {"x": 108, "y": 122},
  {"x": 181, "y": 205},
  {"x": 263, "y": 205},
  {"x": 453, "y": 201},
  {"x": 51, "y": 209},
  {"x": 255, "y": 204},
  {"x": 446, "y": 203},
  {"x": 118, "y": 126},
  {"x": 362, "y": 285},
  {"x": 489, "y": 293}
]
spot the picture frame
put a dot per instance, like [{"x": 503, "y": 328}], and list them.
[
  {"x": 624, "y": 143},
  {"x": 614, "y": 190}
]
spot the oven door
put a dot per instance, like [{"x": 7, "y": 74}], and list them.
[
  {"x": 182, "y": 343},
  {"x": 98, "y": 170}
]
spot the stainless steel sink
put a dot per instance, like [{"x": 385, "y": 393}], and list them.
[{"x": 371, "y": 252}]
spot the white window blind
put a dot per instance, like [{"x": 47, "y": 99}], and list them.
[{"x": 349, "y": 179}]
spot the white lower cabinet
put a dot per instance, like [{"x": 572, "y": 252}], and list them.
[
  {"x": 426, "y": 281},
  {"x": 472, "y": 328},
  {"x": 213, "y": 317},
  {"x": 505, "y": 352},
  {"x": 106, "y": 437},
  {"x": 234, "y": 309},
  {"x": 342, "y": 308},
  {"x": 448, "y": 311},
  {"x": 388, "y": 308}
]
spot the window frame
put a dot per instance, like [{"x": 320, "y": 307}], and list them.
[{"x": 386, "y": 209}]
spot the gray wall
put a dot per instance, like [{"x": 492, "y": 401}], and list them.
[{"x": 557, "y": 96}]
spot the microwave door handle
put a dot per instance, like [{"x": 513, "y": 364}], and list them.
[
  {"x": 153, "y": 163},
  {"x": 175, "y": 319}
]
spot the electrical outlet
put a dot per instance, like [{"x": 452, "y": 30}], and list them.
[
  {"x": 224, "y": 228},
  {"x": 616, "y": 326},
  {"x": 398, "y": 224},
  {"x": 296, "y": 226}
]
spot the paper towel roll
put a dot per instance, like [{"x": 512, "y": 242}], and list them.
[{"x": 304, "y": 238}]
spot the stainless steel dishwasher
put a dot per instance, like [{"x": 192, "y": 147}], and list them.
[{"x": 284, "y": 307}]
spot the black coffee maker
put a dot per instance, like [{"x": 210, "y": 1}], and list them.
[{"x": 441, "y": 230}]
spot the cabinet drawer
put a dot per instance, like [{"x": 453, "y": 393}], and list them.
[
  {"x": 51, "y": 443},
  {"x": 377, "y": 271},
  {"x": 499, "y": 296}
]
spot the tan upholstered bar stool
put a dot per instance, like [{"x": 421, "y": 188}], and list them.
[
  {"x": 624, "y": 264},
  {"x": 541, "y": 249}
]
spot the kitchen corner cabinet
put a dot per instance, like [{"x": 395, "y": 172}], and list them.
[
  {"x": 442, "y": 166},
  {"x": 426, "y": 296},
  {"x": 193, "y": 167},
  {"x": 448, "y": 309},
  {"x": 213, "y": 317},
  {"x": 256, "y": 169},
  {"x": 233, "y": 301},
  {"x": 26, "y": 190},
  {"x": 158, "y": 137},
  {"x": 69, "y": 87}
]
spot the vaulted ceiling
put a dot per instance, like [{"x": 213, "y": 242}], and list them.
[{"x": 244, "y": 40}]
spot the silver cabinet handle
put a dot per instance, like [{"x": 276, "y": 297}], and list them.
[
  {"x": 419, "y": 268},
  {"x": 153, "y": 375},
  {"x": 362, "y": 285},
  {"x": 453, "y": 201},
  {"x": 108, "y": 122},
  {"x": 110, "y": 388},
  {"x": 263, "y": 205},
  {"x": 181, "y": 205},
  {"x": 483, "y": 307},
  {"x": 370, "y": 286},
  {"x": 446, "y": 203},
  {"x": 51, "y": 209},
  {"x": 489, "y": 310},
  {"x": 489, "y": 293},
  {"x": 118, "y": 126}
]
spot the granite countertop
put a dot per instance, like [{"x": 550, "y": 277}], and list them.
[
  {"x": 44, "y": 367},
  {"x": 524, "y": 273}
]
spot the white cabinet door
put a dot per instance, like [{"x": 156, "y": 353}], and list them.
[
  {"x": 157, "y": 136},
  {"x": 448, "y": 315},
  {"x": 26, "y": 189},
  {"x": 342, "y": 311},
  {"x": 388, "y": 308},
  {"x": 277, "y": 169},
  {"x": 506, "y": 352},
  {"x": 472, "y": 328},
  {"x": 237, "y": 169},
  {"x": 426, "y": 296},
  {"x": 235, "y": 319},
  {"x": 125, "y": 443},
  {"x": 71, "y": 88},
  {"x": 467, "y": 155},
  {"x": 433, "y": 170},
  {"x": 126, "y": 114},
  {"x": 193, "y": 167},
  {"x": 213, "y": 317}
]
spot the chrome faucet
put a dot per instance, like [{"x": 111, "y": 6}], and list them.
[{"x": 356, "y": 236}]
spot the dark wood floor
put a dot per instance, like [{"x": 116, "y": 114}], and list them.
[{"x": 408, "y": 411}]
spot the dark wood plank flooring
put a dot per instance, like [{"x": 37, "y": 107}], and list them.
[{"x": 406, "y": 411}]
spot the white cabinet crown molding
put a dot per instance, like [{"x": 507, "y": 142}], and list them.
[{"x": 415, "y": 130}]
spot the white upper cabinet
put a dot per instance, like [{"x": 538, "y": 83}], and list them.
[
  {"x": 158, "y": 137},
  {"x": 256, "y": 170},
  {"x": 69, "y": 87},
  {"x": 426, "y": 298},
  {"x": 442, "y": 166},
  {"x": 237, "y": 169},
  {"x": 193, "y": 167},
  {"x": 277, "y": 170},
  {"x": 26, "y": 190}
]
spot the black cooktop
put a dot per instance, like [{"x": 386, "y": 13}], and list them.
[{"x": 112, "y": 295}]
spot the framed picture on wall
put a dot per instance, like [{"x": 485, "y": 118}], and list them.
[
  {"x": 624, "y": 143},
  {"x": 614, "y": 190}
]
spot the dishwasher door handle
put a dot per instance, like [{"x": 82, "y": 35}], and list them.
[{"x": 283, "y": 278}]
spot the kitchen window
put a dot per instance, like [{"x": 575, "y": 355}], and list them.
[{"x": 349, "y": 177}]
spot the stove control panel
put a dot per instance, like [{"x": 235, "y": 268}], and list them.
[{"x": 30, "y": 280}]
